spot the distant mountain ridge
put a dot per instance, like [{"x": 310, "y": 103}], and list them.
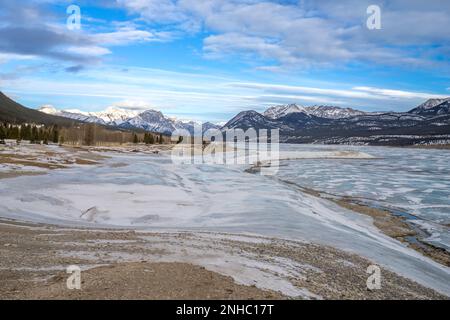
[
  {"x": 329, "y": 112},
  {"x": 111, "y": 116},
  {"x": 427, "y": 123},
  {"x": 429, "y": 104},
  {"x": 149, "y": 120}
]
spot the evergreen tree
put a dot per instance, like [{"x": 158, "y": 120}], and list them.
[
  {"x": 34, "y": 137},
  {"x": 55, "y": 134},
  {"x": 160, "y": 138},
  {"x": 2, "y": 134},
  {"x": 25, "y": 132},
  {"x": 135, "y": 139},
  {"x": 14, "y": 133}
]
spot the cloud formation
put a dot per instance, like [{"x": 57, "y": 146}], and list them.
[
  {"x": 28, "y": 30},
  {"x": 308, "y": 33}
]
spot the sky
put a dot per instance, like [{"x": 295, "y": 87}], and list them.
[{"x": 208, "y": 60}]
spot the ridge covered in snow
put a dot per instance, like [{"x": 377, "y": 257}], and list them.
[
  {"x": 111, "y": 116},
  {"x": 429, "y": 104},
  {"x": 149, "y": 120},
  {"x": 276, "y": 112},
  {"x": 328, "y": 112}
]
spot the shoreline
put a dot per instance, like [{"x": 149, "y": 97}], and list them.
[
  {"x": 204, "y": 265},
  {"x": 279, "y": 266},
  {"x": 393, "y": 225}
]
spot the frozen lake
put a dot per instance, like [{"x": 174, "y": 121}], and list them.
[
  {"x": 151, "y": 192},
  {"x": 411, "y": 181}
]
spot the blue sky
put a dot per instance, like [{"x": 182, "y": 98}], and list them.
[{"x": 208, "y": 60}]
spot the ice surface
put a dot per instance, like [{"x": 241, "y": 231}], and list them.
[
  {"x": 151, "y": 192},
  {"x": 410, "y": 181}
]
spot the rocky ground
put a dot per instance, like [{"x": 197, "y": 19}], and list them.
[{"x": 126, "y": 264}]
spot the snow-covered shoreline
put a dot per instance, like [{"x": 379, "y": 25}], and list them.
[{"x": 148, "y": 192}]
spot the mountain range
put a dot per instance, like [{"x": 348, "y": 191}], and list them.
[
  {"x": 426, "y": 123},
  {"x": 149, "y": 120}
]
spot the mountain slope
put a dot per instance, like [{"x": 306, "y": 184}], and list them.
[
  {"x": 111, "y": 116},
  {"x": 329, "y": 112},
  {"x": 251, "y": 119},
  {"x": 149, "y": 120},
  {"x": 429, "y": 104},
  {"x": 332, "y": 112},
  {"x": 13, "y": 112},
  {"x": 433, "y": 109},
  {"x": 276, "y": 112},
  {"x": 429, "y": 123}
]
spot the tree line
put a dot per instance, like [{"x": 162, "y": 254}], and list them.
[
  {"x": 33, "y": 133},
  {"x": 81, "y": 134}
]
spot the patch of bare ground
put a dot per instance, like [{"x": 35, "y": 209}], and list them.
[
  {"x": 121, "y": 264},
  {"x": 142, "y": 280}
]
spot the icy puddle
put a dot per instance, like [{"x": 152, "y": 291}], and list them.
[{"x": 151, "y": 192}]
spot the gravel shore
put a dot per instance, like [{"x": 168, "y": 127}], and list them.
[{"x": 128, "y": 264}]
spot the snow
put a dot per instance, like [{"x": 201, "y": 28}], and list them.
[
  {"x": 150, "y": 120},
  {"x": 153, "y": 193},
  {"x": 329, "y": 112},
  {"x": 280, "y": 111},
  {"x": 429, "y": 104}
]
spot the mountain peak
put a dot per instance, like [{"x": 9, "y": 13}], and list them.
[
  {"x": 276, "y": 112},
  {"x": 321, "y": 111},
  {"x": 429, "y": 104},
  {"x": 333, "y": 112}
]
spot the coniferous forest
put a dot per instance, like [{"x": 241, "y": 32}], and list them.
[{"x": 80, "y": 134}]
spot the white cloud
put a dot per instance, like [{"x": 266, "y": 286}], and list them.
[
  {"x": 28, "y": 31},
  {"x": 88, "y": 51},
  {"x": 129, "y": 35},
  {"x": 133, "y": 104},
  {"x": 211, "y": 97},
  {"x": 399, "y": 94},
  {"x": 274, "y": 88},
  {"x": 309, "y": 33}
]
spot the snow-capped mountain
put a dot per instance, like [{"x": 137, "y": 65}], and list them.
[
  {"x": 328, "y": 124},
  {"x": 111, "y": 116},
  {"x": 430, "y": 107},
  {"x": 297, "y": 124},
  {"x": 251, "y": 119},
  {"x": 149, "y": 120},
  {"x": 276, "y": 112},
  {"x": 115, "y": 116},
  {"x": 429, "y": 104},
  {"x": 190, "y": 126},
  {"x": 329, "y": 112},
  {"x": 332, "y": 112}
]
